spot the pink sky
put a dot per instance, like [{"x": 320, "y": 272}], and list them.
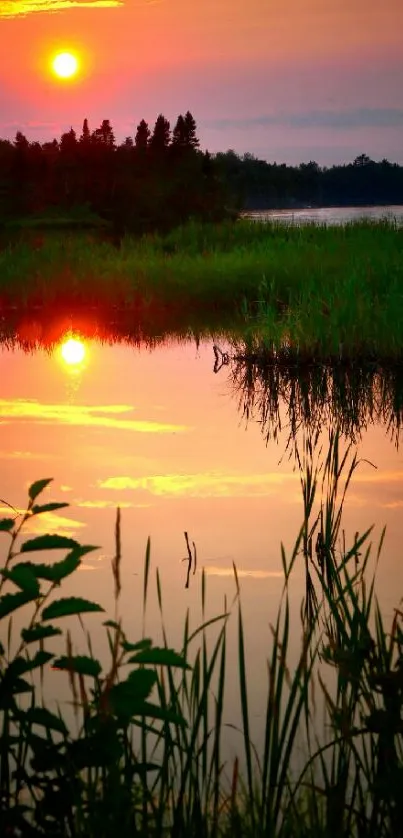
[{"x": 289, "y": 82}]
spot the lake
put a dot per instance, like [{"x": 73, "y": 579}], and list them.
[
  {"x": 181, "y": 448},
  {"x": 329, "y": 215}
]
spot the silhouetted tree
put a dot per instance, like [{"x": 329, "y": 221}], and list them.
[
  {"x": 160, "y": 138},
  {"x": 143, "y": 135},
  {"x": 68, "y": 142},
  {"x": 362, "y": 160},
  {"x": 104, "y": 134},
  {"x": 85, "y": 137},
  {"x": 179, "y": 133},
  {"x": 190, "y": 127}
]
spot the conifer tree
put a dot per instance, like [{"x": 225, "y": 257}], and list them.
[
  {"x": 160, "y": 137},
  {"x": 190, "y": 128},
  {"x": 142, "y": 137}
]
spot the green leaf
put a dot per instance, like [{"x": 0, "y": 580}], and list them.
[
  {"x": 146, "y": 643},
  {"x": 48, "y": 507},
  {"x": 163, "y": 713},
  {"x": 42, "y": 716},
  {"x": 48, "y": 542},
  {"x": 10, "y": 687},
  {"x": 36, "y": 488},
  {"x": 101, "y": 749},
  {"x": 21, "y": 665},
  {"x": 59, "y": 570},
  {"x": 69, "y": 606},
  {"x": 39, "y": 633},
  {"x": 159, "y": 657},
  {"x": 82, "y": 664},
  {"x": 9, "y": 602},
  {"x": 128, "y": 697},
  {"x": 23, "y": 576},
  {"x": 6, "y": 524}
]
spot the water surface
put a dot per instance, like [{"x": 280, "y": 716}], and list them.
[
  {"x": 181, "y": 448},
  {"x": 330, "y": 215}
]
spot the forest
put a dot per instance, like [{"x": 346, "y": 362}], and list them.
[{"x": 160, "y": 178}]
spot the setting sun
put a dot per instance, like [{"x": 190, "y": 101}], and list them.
[
  {"x": 65, "y": 65},
  {"x": 73, "y": 351}
]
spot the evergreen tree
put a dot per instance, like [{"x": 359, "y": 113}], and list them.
[
  {"x": 85, "y": 137},
  {"x": 21, "y": 143},
  {"x": 160, "y": 137},
  {"x": 143, "y": 134},
  {"x": 179, "y": 134},
  {"x": 68, "y": 142},
  {"x": 104, "y": 134},
  {"x": 190, "y": 127}
]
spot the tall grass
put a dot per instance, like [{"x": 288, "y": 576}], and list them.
[
  {"x": 315, "y": 287},
  {"x": 146, "y": 758}
]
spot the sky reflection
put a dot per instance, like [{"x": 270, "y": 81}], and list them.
[{"x": 162, "y": 436}]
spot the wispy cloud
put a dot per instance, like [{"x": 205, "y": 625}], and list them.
[
  {"x": 204, "y": 484},
  {"x": 94, "y": 416},
  {"x": 21, "y": 8},
  {"x": 25, "y": 455},
  {"x": 47, "y": 522},
  {"x": 50, "y": 522},
  {"x": 244, "y": 574},
  {"x": 333, "y": 119},
  {"x": 102, "y": 504}
]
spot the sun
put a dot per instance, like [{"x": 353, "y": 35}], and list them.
[
  {"x": 73, "y": 351},
  {"x": 65, "y": 65}
]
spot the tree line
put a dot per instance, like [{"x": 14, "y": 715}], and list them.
[
  {"x": 154, "y": 180},
  {"x": 160, "y": 177},
  {"x": 257, "y": 184}
]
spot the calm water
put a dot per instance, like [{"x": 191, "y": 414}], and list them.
[
  {"x": 330, "y": 215},
  {"x": 159, "y": 433}
]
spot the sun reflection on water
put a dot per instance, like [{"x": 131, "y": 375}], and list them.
[{"x": 73, "y": 351}]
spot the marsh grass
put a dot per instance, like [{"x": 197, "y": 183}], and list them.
[
  {"x": 316, "y": 288},
  {"x": 147, "y": 756},
  {"x": 286, "y": 393}
]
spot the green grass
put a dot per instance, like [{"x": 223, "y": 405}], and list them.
[
  {"x": 331, "y": 292},
  {"x": 146, "y": 756}
]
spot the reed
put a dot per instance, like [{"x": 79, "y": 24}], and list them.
[
  {"x": 146, "y": 757},
  {"x": 314, "y": 289}
]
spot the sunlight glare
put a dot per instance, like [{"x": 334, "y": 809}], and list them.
[
  {"x": 73, "y": 351},
  {"x": 65, "y": 65}
]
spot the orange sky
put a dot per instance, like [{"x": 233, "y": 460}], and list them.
[{"x": 301, "y": 80}]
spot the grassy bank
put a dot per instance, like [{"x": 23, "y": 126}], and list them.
[
  {"x": 146, "y": 756},
  {"x": 325, "y": 291}
]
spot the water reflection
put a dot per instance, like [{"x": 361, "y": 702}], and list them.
[{"x": 282, "y": 393}]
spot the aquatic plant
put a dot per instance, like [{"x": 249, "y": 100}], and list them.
[
  {"x": 314, "y": 289},
  {"x": 146, "y": 757}
]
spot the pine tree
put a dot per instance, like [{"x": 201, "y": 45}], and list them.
[
  {"x": 142, "y": 137},
  {"x": 179, "y": 134},
  {"x": 190, "y": 127},
  {"x": 21, "y": 142},
  {"x": 160, "y": 137},
  {"x": 85, "y": 137},
  {"x": 104, "y": 134},
  {"x": 68, "y": 141}
]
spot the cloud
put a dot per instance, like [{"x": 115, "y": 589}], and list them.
[
  {"x": 25, "y": 455},
  {"x": 47, "y": 522},
  {"x": 102, "y": 504},
  {"x": 202, "y": 485},
  {"x": 244, "y": 574},
  {"x": 333, "y": 119},
  {"x": 82, "y": 415},
  {"x": 21, "y": 8}
]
